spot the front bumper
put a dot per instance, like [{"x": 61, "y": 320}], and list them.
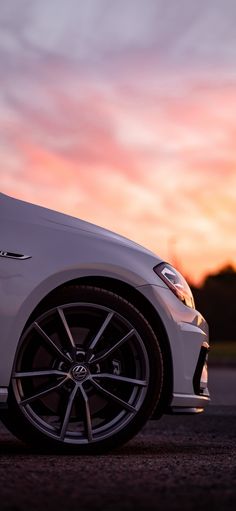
[
  {"x": 195, "y": 403},
  {"x": 187, "y": 332}
]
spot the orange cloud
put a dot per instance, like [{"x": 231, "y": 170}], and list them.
[{"x": 158, "y": 168}]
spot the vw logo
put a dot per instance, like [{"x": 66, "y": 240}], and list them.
[{"x": 79, "y": 372}]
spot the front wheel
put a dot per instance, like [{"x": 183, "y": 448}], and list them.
[{"x": 87, "y": 375}]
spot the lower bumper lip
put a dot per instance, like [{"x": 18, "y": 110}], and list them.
[{"x": 184, "y": 410}]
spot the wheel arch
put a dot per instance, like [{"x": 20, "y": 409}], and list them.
[{"x": 138, "y": 300}]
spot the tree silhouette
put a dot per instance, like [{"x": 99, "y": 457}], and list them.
[{"x": 216, "y": 300}]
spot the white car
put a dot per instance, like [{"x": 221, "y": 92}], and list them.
[{"x": 98, "y": 334}]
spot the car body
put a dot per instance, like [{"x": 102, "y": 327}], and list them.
[{"x": 44, "y": 254}]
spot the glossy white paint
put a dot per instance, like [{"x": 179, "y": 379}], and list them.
[{"x": 63, "y": 248}]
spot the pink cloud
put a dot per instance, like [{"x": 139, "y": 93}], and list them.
[{"x": 155, "y": 167}]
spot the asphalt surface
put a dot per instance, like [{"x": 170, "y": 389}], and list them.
[{"x": 179, "y": 463}]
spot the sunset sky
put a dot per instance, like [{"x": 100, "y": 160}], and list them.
[{"x": 123, "y": 113}]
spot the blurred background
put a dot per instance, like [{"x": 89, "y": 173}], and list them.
[{"x": 123, "y": 113}]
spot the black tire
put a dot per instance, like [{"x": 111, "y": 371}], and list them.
[{"x": 99, "y": 398}]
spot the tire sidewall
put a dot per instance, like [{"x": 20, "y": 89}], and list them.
[{"x": 17, "y": 422}]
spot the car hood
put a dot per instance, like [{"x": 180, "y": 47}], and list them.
[{"x": 38, "y": 215}]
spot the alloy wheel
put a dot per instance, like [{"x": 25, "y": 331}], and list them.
[{"x": 81, "y": 373}]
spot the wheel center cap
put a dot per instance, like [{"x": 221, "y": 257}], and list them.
[{"x": 79, "y": 372}]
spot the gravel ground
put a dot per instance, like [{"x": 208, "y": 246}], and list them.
[{"x": 177, "y": 463}]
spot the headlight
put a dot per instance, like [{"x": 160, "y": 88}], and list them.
[{"x": 176, "y": 282}]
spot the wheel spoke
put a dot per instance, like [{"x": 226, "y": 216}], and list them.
[
  {"x": 68, "y": 391},
  {"x": 49, "y": 341},
  {"x": 134, "y": 381},
  {"x": 88, "y": 415},
  {"x": 28, "y": 374},
  {"x": 101, "y": 330},
  {"x": 97, "y": 358},
  {"x": 113, "y": 397},
  {"x": 66, "y": 419},
  {"x": 43, "y": 392},
  {"x": 72, "y": 345}
]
